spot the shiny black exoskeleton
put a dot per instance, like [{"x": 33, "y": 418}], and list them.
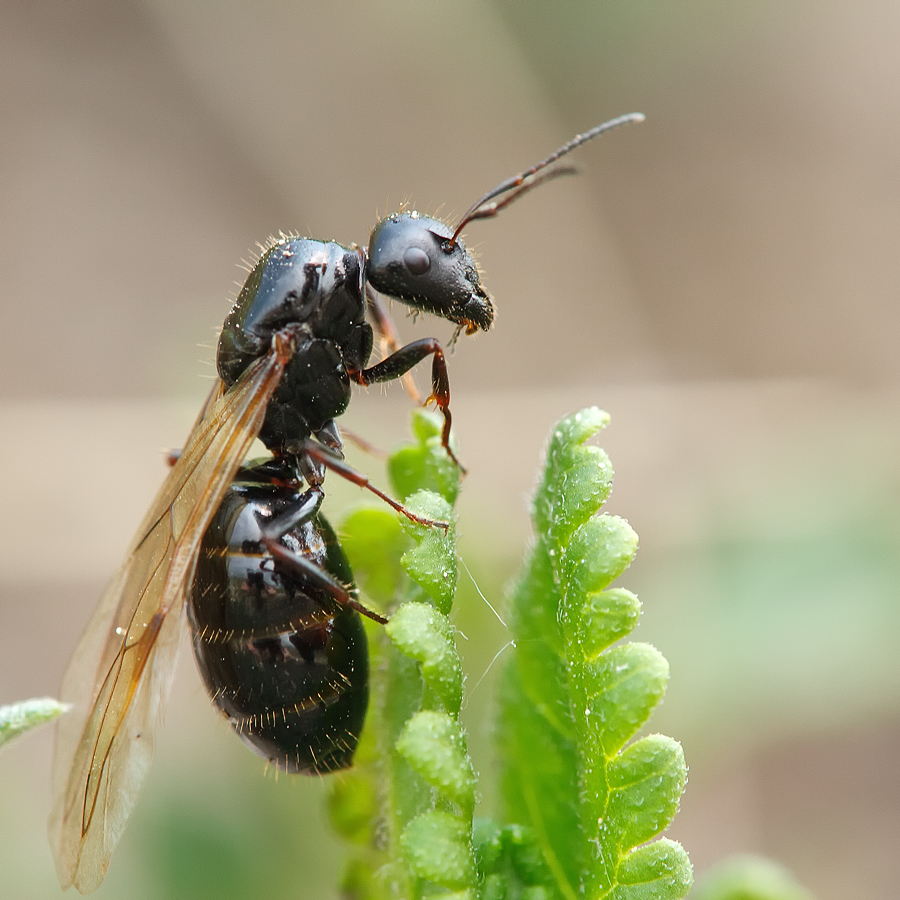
[
  {"x": 284, "y": 661},
  {"x": 271, "y": 599},
  {"x": 417, "y": 260},
  {"x": 320, "y": 289},
  {"x": 273, "y": 607},
  {"x": 273, "y": 610}
]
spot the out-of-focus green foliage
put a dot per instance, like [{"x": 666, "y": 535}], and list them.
[
  {"x": 579, "y": 799},
  {"x": 17, "y": 718},
  {"x": 749, "y": 878}
]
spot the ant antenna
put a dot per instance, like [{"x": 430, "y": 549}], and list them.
[{"x": 525, "y": 181}]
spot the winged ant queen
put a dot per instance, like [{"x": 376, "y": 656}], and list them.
[{"x": 240, "y": 552}]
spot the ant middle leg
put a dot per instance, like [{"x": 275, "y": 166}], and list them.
[
  {"x": 314, "y": 458},
  {"x": 330, "y": 435}
]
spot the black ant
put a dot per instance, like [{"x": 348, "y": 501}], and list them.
[{"x": 272, "y": 603}]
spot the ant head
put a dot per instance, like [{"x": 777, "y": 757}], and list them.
[
  {"x": 417, "y": 260},
  {"x": 422, "y": 262}
]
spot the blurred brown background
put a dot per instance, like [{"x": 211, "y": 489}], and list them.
[{"x": 722, "y": 278}]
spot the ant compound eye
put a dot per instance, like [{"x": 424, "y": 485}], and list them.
[{"x": 416, "y": 260}]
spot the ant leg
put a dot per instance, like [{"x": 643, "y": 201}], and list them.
[
  {"x": 330, "y": 436},
  {"x": 305, "y": 507},
  {"x": 314, "y": 455},
  {"x": 319, "y": 578},
  {"x": 400, "y": 362},
  {"x": 363, "y": 444},
  {"x": 390, "y": 340},
  {"x": 301, "y": 510}
]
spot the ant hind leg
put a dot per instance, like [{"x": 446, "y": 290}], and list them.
[{"x": 305, "y": 507}]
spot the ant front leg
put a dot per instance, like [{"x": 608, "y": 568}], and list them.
[
  {"x": 400, "y": 362},
  {"x": 313, "y": 456},
  {"x": 302, "y": 510}
]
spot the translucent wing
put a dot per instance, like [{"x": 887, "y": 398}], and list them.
[{"x": 120, "y": 673}]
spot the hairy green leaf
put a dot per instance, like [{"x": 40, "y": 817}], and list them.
[
  {"x": 604, "y": 618},
  {"x": 424, "y": 778},
  {"x": 539, "y": 780},
  {"x": 570, "y": 700},
  {"x": 434, "y": 745},
  {"x": 510, "y": 862},
  {"x": 424, "y": 465},
  {"x": 646, "y": 781},
  {"x": 622, "y": 687},
  {"x": 659, "y": 871},
  {"x": 598, "y": 553},
  {"x": 17, "y": 718},
  {"x": 577, "y": 478},
  {"x": 420, "y": 632},
  {"x": 579, "y": 800},
  {"x": 437, "y": 846},
  {"x": 431, "y": 562}
]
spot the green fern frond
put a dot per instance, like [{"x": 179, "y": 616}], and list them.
[
  {"x": 423, "y": 774},
  {"x": 581, "y": 796},
  {"x": 570, "y": 701}
]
